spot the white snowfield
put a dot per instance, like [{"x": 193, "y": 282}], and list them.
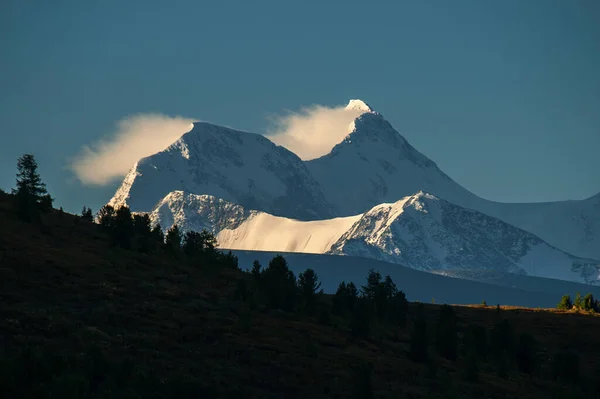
[
  {"x": 373, "y": 195},
  {"x": 264, "y": 232}
]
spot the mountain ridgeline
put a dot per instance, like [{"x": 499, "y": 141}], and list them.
[{"x": 372, "y": 195}]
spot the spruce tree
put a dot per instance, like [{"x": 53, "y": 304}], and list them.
[
  {"x": 123, "y": 227},
  {"x": 192, "y": 244},
  {"x": 31, "y": 193},
  {"x": 143, "y": 232},
  {"x": 106, "y": 217},
  {"x": 200, "y": 245},
  {"x": 309, "y": 285},
  {"x": 228, "y": 260},
  {"x": 86, "y": 214},
  {"x": 279, "y": 284},
  {"x": 173, "y": 239},
  {"x": 588, "y": 303},
  {"x": 578, "y": 303},
  {"x": 256, "y": 269},
  {"x": 209, "y": 242},
  {"x": 344, "y": 299},
  {"x": 565, "y": 303},
  {"x": 352, "y": 295},
  {"x": 374, "y": 285},
  {"x": 157, "y": 238}
]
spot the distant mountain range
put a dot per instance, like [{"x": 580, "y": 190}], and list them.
[{"x": 373, "y": 195}]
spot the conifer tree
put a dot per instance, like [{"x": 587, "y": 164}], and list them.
[
  {"x": 228, "y": 260},
  {"x": 578, "y": 303},
  {"x": 373, "y": 286},
  {"x": 106, "y": 217},
  {"x": 209, "y": 242},
  {"x": 157, "y": 237},
  {"x": 279, "y": 284},
  {"x": 192, "y": 244},
  {"x": 173, "y": 239},
  {"x": 399, "y": 308},
  {"x": 86, "y": 214},
  {"x": 309, "y": 285},
  {"x": 588, "y": 303},
  {"x": 345, "y": 298},
  {"x": 256, "y": 270},
  {"x": 143, "y": 232},
  {"x": 123, "y": 227},
  {"x": 200, "y": 245},
  {"x": 31, "y": 193},
  {"x": 565, "y": 303}
]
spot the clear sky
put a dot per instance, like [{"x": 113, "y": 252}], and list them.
[{"x": 503, "y": 95}]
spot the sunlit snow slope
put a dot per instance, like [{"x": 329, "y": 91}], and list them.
[
  {"x": 419, "y": 231},
  {"x": 238, "y": 228}
]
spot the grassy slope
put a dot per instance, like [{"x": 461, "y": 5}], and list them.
[{"x": 62, "y": 288}]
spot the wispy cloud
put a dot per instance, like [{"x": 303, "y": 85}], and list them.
[
  {"x": 313, "y": 131},
  {"x": 135, "y": 137}
]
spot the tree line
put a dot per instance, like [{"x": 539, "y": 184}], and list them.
[{"x": 587, "y": 304}]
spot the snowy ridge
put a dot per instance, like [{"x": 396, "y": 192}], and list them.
[
  {"x": 198, "y": 212},
  {"x": 427, "y": 233},
  {"x": 238, "y": 228},
  {"x": 420, "y": 231}
]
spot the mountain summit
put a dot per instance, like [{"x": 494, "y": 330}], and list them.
[
  {"x": 358, "y": 105},
  {"x": 242, "y": 168},
  {"x": 373, "y": 164}
]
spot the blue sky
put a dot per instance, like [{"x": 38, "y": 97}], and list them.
[{"x": 503, "y": 95}]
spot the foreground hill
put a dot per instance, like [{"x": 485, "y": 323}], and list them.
[{"x": 81, "y": 318}]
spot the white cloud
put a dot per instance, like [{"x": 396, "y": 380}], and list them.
[
  {"x": 136, "y": 136},
  {"x": 313, "y": 131}
]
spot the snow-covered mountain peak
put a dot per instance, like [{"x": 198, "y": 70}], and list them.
[
  {"x": 372, "y": 129},
  {"x": 239, "y": 167},
  {"x": 358, "y": 105},
  {"x": 410, "y": 206},
  {"x": 428, "y": 233}
]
